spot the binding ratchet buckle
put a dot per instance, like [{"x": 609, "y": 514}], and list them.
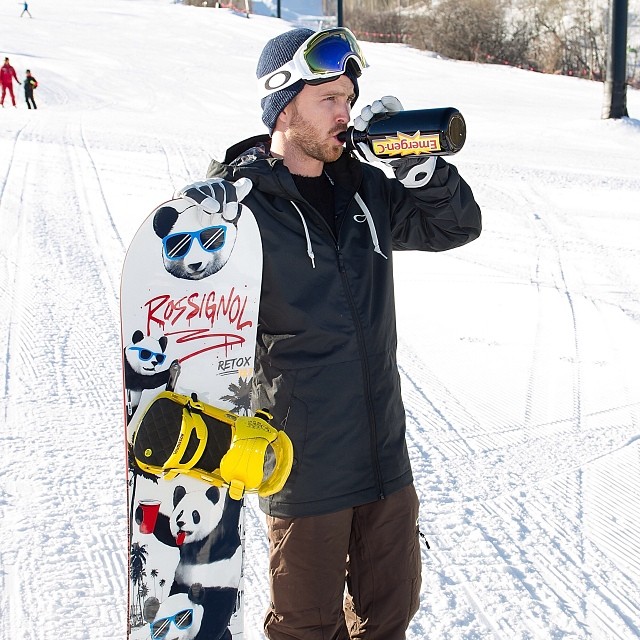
[{"x": 178, "y": 434}]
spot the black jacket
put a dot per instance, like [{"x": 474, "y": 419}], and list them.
[
  {"x": 326, "y": 347},
  {"x": 30, "y": 83}
]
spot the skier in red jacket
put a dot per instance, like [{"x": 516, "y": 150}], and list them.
[{"x": 7, "y": 76}]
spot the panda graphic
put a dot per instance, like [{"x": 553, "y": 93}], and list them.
[
  {"x": 179, "y": 617},
  {"x": 204, "y": 527},
  {"x": 198, "y": 239},
  {"x": 146, "y": 366}
]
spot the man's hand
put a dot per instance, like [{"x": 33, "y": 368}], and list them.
[
  {"x": 386, "y": 105},
  {"x": 412, "y": 172}
]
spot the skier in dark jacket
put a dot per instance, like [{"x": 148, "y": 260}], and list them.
[
  {"x": 326, "y": 354},
  {"x": 30, "y": 83},
  {"x": 7, "y": 76}
]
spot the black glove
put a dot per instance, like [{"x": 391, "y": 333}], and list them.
[{"x": 217, "y": 196}]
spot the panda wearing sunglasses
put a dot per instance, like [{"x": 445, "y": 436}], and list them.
[
  {"x": 146, "y": 366},
  {"x": 198, "y": 239},
  {"x": 179, "y": 617}
]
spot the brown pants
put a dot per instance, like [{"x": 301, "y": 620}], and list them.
[{"x": 375, "y": 546}]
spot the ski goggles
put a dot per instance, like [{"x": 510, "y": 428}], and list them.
[
  {"x": 177, "y": 245},
  {"x": 146, "y": 354},
  {"x": 182, "y": 620},
  {"x": 321, "y": 57}
]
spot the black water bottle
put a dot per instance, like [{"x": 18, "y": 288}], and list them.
[{"x": 407, "y": 134}]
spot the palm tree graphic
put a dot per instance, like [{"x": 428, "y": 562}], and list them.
[
  {"x": 240, "y": 396},
  {"x": 154, "y": 575},
  {"x": 138, "y": 560}
]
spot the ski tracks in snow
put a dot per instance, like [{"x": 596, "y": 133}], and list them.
[
  {"x": 60, "y": 270},
  {"x": 57, "y": 275},
  {"x": 517, "y": 551},
  {"x": 255, "y": 569}
]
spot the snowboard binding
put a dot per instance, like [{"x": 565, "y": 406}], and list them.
[{"x": 178, "y": 434}]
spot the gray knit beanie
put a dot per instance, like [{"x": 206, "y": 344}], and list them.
[{"x": 277, "y": 52}]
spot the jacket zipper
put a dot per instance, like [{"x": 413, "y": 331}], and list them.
[
  {"x": 365, "y": 374},
  {"x": 361, "y": 347}
]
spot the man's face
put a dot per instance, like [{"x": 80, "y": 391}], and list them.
[{"x": 317, "y": 115}]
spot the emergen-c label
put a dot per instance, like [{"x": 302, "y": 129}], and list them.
[{"x": 403, "y": 144}]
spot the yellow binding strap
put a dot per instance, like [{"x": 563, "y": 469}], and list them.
[
  {"x": 242, "y": 467},
  {"x": 191, "y": 421}
]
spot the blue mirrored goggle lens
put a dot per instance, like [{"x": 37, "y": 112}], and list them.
[{"x": 330, "y": 51}]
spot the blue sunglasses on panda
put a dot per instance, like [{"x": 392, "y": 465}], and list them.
[
  {"x": 323, "y": 56},
  {"x": 177, "y": 245},
  {"x": 182, "y": 620},
  {"x": 146, "y": 354}
]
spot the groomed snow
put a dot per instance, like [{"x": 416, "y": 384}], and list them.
[{"x": 519, "y": 353}]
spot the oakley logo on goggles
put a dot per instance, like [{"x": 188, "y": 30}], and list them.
[
  {"x": 146, "y": 354},
  {"x": 182, "y": 620},
  {"x": 177, "y": 245},
  {"x": 321, "y": 57}
]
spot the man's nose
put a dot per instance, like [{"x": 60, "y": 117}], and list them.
[{"x": 344, "y": 114}]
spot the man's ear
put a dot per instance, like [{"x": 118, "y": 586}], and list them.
[{"x": 284, "y": 116}]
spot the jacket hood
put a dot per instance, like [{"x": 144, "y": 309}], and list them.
[
  {"x": 249, "y": 150},
  {"x": 251, "y": 158}
]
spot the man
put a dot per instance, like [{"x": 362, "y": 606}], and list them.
[
  {"x": 7, "y": 76},
  {"x": 326, "y": 353},
  {"x": 30, "y": 83}
]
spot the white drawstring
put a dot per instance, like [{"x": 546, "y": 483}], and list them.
[
  {"x": 306, "y": 233},
  {"x": 367, "y": 216},
  {"x": 372, "y": 226}
]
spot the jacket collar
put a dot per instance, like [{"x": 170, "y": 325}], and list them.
[
  {"x": 254, "y": 153},
  {"x": 249, "y": 150},
  {"x": 251, "y": 158}
]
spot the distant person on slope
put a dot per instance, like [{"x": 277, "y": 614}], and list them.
[
  {"x": 344, "y": 544},
  {"x": 26, "y": 10},
  {"x": 30, "y": 83},
  {"x": 7, "y": 76}
]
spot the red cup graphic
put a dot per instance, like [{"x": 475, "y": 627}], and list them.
[{"x": 150, "y": 510}]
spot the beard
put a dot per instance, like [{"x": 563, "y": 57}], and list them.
[{"x": 309, "y": 140}]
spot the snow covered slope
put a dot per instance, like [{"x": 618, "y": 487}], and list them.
[{"x": 519, "y": 353}]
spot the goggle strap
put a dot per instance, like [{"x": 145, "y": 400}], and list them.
[{"x": 272, "y": 82}]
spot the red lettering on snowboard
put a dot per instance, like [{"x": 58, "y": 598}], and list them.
[{"x": 163, "y": 310}]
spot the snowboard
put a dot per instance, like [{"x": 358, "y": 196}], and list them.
[{"x": 190, "y": 293}]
